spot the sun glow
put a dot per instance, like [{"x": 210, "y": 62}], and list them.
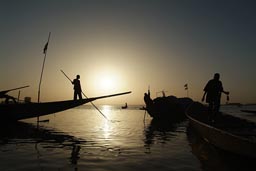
[{"x": 106, "y": 82}]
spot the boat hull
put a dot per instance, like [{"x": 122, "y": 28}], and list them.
[
  {"x": 168, "y": 108},
  {"x": 227, "y": 133},
  {"x": 30, "y": 110},
  {"x": 18, "y": 111}
]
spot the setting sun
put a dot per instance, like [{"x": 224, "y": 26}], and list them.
[{"x": 107, "y": 82}]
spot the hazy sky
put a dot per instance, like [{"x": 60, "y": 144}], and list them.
[{"x": 127, "y": 45}]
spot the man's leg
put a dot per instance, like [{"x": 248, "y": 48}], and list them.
[
  {"x": 216, "y": 105},
  {"x": 210, "y": 111},
  {"x": 75, "y": 95},
  {"x": 80, "y": 95}
]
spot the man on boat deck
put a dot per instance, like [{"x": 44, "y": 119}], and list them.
[
  {"x": 213, "y": 90},
  {"x": 77, "y": 88}
]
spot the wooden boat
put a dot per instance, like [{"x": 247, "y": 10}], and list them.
[
  {"x": 18, "y": 111},
  {"x": 125, "y": 106},
  {"x": 166, "y": 107},
  {"x": 229, "y": 133}
]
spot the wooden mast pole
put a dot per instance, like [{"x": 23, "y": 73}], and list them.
[{"x": 42, "y": 71}]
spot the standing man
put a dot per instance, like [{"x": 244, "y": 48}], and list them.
[
  {"x": 77, "y": 88},
  {"x": 213, "y": 90}
]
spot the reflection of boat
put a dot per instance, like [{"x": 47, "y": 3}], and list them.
[
  {"x": 249, "y": 111},
  {"x": 41, "y": 137},
  {"x": 227, "y": 132},
  {"x": 22, "y": 131},
  {"x": 167, "y": 107},
  {"x": 159, "y": 132},
  {"x": 125, "y": 106},
  {"x": 17, "y": 111}
]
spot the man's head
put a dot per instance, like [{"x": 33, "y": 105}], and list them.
[
  {"x": 216, "y": 76},
  {"x": 77, "y": 76}
]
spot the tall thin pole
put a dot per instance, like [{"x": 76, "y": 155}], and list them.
[
  {"x": 41, "y": 76},
  {"x": 45, "y": 54}
]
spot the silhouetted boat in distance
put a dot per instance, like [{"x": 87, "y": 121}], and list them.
[
  {"x": 229, "y": 133},
  {"x": 125, "y": 106},
  {"x": 168, "y": 108},
  {"x": 18, "y": 111}
]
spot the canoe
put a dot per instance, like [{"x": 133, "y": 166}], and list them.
[
  {"x": 229, "y": 133},
  {"x": 18, "y": 111},
  {"x": 167, "y": 107},
  {"x": 125, "y": 106}
]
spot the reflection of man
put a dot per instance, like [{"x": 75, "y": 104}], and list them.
[
  {"x": 77, "y": 88},
  {"x": 213, "y": 90}
]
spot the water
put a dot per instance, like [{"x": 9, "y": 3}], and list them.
[{"x": 82, "y": 139}]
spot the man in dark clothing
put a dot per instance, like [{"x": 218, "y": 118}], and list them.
[
  {"x": 77, "y": 88},
  {"x": 213, "y": 90}
]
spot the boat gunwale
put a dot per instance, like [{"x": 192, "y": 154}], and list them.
[{"x": 221, "y": 131}]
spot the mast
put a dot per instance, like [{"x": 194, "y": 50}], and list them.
[
  {"x": 41, "y": 76},
  {"x": 45, "y": 54}
]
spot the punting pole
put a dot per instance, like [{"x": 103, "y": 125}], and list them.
[
  {"x": 41, "y": 76},
  {"x": 87, "y": 98}
]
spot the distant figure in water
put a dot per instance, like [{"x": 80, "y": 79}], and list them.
[
  {"x": 77, "y": 88},
  {"x": 213, "y": 90}
]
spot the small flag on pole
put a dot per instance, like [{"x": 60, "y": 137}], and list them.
[
  {"x": 45, "y": 48},
  {"x": 186, "y": 86}
]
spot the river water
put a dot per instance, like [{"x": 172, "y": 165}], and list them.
[{"x": 129, "y": 140}]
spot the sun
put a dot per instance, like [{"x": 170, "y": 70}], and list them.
[{"x": 107, "y": 82}]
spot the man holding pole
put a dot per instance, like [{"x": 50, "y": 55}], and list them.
[{"x": 77, "y": 88}]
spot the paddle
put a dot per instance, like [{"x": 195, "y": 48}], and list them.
[{"x": 87, "y": 98}]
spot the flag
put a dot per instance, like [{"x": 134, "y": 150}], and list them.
[
  {"x": 186, "y": 86},
  {"x": 45, "y": 48}
]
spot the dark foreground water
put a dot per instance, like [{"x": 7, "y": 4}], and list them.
[{"x": 82, "y": 139}]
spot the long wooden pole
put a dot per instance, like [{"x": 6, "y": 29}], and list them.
[
  {"x": 45, "y": 54},
  {"x": 41, "y": 76},
  {"x": 87, "y": 98}
]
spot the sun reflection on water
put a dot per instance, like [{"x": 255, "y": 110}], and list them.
[{"x": 106, "y": 128}]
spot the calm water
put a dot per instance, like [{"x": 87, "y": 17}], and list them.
[{"x": 82, "y": 139}]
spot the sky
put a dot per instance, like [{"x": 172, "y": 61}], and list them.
[{"x": 128, "y": 45}]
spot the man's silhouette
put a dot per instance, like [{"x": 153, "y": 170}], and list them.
[
  {"x": 213, "y": 90},
  {"x": 77, "y": 88}
]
